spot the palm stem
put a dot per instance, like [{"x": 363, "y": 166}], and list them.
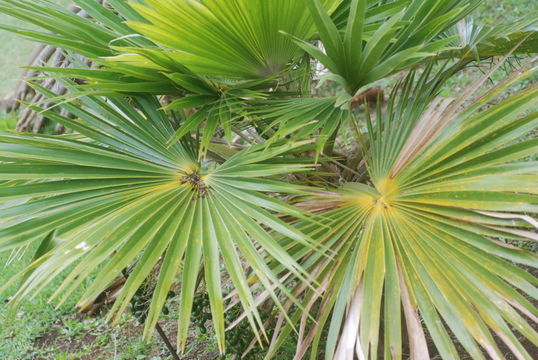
[{"x": 167, "y": 342}]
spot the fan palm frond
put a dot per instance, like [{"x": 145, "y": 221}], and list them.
[
  {"x": 362, "y": 54},
  {"x": 237, "y": 38},
  {"x": 119, "y": 196},
  {"x": 426, "y": 246}
]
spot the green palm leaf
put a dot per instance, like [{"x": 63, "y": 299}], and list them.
[
  {"x": 479, "y": 42},
  {"x": 430, "y": 236},
  {"x": 120, "y": 196},
  {"x": 198, "y": 189},
  {"x": 302, "y": 117},
  {"x": 401, "y": 37},
  {"x": 238, "y": 38}
]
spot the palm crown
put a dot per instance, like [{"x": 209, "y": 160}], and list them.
[{"x": 228, "y": 181}]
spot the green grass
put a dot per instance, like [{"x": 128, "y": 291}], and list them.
[
  {"x": 504, "y": 11},
  {"x": 40, "y": 330},
  {"x": 19, "y": 329},
  {"x": 8, "y": 121}
]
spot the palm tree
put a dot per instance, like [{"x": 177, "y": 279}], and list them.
[{"x": 201, "y": 153}]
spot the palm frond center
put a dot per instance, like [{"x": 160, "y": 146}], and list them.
[{"x": 196, "y": 181}]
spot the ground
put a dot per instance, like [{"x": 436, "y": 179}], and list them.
[{"x": 40, "y": 331}]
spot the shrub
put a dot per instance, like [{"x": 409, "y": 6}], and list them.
[{"x": 201, "y": 152}]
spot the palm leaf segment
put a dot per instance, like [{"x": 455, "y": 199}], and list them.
[
  {"x": 119, "y": 196},
  {"x": 362, "y": 42},
  {"x": 420, "y": 247},
  {"x": 477, "y": 41}
]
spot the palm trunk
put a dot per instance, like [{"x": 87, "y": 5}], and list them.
[{"x": 30, "y": 120}]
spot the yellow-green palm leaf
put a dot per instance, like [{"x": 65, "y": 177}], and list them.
[
  {"x": 232, "y": 39},
  {"x": 116, "y": 195},
  {"x": 424, "y": 253}
]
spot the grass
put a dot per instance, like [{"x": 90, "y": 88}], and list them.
[
  {"x": 7, "y": 121},
  {"x": 504, "y": 11},
  {"x": 39, "y": 330}
]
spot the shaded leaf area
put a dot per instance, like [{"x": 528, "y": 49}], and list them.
[
  {"x": 528, "y": 40},
  {"x": 300, "y": 118}
]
